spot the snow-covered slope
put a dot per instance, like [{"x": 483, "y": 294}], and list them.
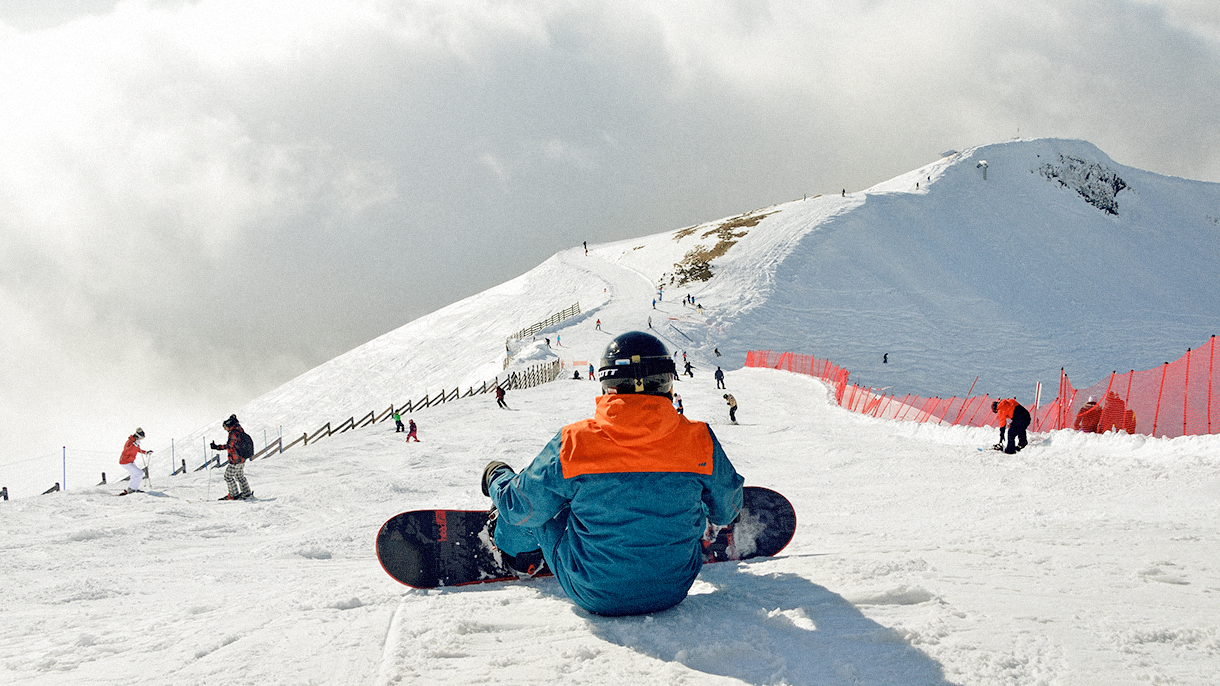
[
  {"x": 1040, "y": 266},
  {"x": 918, "y": 559}
]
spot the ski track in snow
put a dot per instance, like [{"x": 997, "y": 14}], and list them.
[{"x": 1084, "y": 559}]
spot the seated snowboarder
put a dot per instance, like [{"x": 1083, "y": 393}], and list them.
[
  {"x": 1088, "y": 417},
  {"x": 1015, "y": 417},
  {"x": 615, "y": 506}
]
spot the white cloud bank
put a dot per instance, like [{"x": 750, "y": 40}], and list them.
[{"x": 191, "y": 194}]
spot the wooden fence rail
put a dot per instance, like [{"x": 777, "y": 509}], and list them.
[{"x": 546, "y": 323}]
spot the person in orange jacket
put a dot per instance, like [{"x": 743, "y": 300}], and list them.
[
  {"x": 1015, "y": 417},
  {"x": 128, "y": 460},
  {"x": 616, "y": 506},
  {"x": 1088, "y": 417}
]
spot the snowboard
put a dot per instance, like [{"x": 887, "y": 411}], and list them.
[{"x": 434, "y": 548}]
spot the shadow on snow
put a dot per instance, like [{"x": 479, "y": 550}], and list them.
[{"x": 772, "y": 629}]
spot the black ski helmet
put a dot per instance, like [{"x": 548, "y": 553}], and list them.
[
  {"x": 230, "y": 422},
  {"x": 636, "y": 362}
]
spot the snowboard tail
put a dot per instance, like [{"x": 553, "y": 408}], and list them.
[{"x": 435, "y": 548}]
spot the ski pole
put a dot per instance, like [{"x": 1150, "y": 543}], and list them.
[{"x": 147, "y": 472}]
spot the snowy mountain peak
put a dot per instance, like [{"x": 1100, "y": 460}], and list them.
[{"x": 1059, "y": 258}]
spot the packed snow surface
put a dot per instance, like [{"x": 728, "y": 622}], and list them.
[{"x": 918, "y": 558}]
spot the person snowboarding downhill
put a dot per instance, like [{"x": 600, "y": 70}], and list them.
[
  {"x": 128, "y": 460},
  {"x": 241, "y": 448},
  {"x": 500, "y": 397},
  {"x": 616, "y": 506},
  {"x": 719, "y": 377},
  {"x": 411, "y": 432},
  {"x": 1013, "y": 416},
  {"x": 728, "y": 398}
]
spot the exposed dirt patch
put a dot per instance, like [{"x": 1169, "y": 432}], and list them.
[{"x": 696, "y": 265}]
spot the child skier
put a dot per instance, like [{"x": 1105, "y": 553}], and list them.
[{"x": 128, "y": 460}]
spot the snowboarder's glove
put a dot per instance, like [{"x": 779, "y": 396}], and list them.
[
  {"x": 217, "y": 447},
  {"x": 998, "y": 446},
  {"x": 489, "y": 473},
  {"x": 148, "y": 452}
]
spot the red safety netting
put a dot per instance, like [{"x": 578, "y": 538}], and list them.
[{"x": 1178, "y": 398}]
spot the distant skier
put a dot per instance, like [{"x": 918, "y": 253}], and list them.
[
  {"x": 598, "y": 326},
  {"x": 128, "y": 460},
  {"x": 411, "y": 433},
  {"x": 719, "y": 377},
  {"x": 688, "y": 369},
  {"x": 885, "y": 359},
  {"x": 1015, "y": 418},
  {"x": 500, "y": 397},
  {"x": 591, "y": 376},
  {"x": 586, "y": 244},
  {"x": 576, "y": 375},
  {"x": 398, "y": 422},
  {"x": 615, "y": 506},
  {"x": 716, "y": 351},
  {"x": 728, "y": 397},
  {"x": 240, "y": 448},
  {"x": 678, "y": 404},
  {"x": 654, "y": 303}
]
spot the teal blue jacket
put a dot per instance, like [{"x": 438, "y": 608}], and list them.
[{"x": 619, "y": 504}]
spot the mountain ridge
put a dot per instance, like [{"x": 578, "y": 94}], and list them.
[{"x": 1008, "y": 278}]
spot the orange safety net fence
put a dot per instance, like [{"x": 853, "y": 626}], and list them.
[{"x": 1180, "y": 398}]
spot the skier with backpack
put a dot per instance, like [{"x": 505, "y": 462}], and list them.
[
  {"x": 616, "y": 506},
  {"x": 240, "y": 448}
]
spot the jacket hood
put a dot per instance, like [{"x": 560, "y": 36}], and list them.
[{"x": 632, "y": 419}]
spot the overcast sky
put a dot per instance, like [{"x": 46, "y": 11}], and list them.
[{"x": 201, "y": 200}]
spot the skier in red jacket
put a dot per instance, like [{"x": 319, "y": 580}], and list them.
[
  {"x": 1012, "y": 415},
  {"x": 128, "y": 460}
]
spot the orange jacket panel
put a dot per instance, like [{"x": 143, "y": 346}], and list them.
[{"x": 643, "y": 434}]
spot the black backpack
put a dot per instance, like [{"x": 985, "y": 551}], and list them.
[{"x": 245, "y": 447}]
